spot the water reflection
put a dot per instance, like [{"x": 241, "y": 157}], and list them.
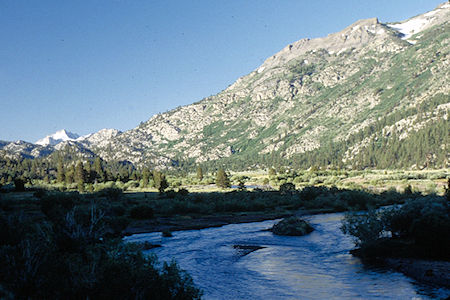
[{"x": 316, "y": 266}]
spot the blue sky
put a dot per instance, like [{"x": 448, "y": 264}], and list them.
[{"x": 88, "y": 65}]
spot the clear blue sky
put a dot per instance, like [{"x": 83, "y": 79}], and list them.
[{"x": 93, "y": 64}]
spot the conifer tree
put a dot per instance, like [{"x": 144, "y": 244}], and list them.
[
  {"x": 69, "y": 175},
  {"x": 100, "y": 174},
  {"x": 222, "y": 179},
  {"x": 199, "y": 173},
  {"x": 89, "y": 176},
  {"x": 145, "y": 177},
  {"x": 60, "y": 171},
  {"x": 160, "y": 181},
  {"x": 80, "y": 175}
]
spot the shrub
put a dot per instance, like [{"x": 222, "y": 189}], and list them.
[
  {"x": 40, "y": 193},
  {"x": 141, "y": 212},
  {"x": 310, "y": 193},
  {"x": 292, "y": 226},
  {"x": 183, "y": 192},
  {"x": 118, "y": 210},
  {"x": 425, "y": 222},
  {"x": 117, "y": 224},
  {"x": 170, "y": 194},
  {"x": 112, "y": 193},
  {"x": 19, "y": 185},
  {"x": 33, "y": 265},
  {"x": 287, "y": 188},
  {"x": 366, "y": 228}
]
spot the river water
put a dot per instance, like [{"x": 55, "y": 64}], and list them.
[{"x": 316, "y": 266}]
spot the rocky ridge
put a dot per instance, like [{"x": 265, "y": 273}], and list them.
[{"x": 312, "y": 93}]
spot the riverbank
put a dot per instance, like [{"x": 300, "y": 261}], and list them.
[
  {"x": 427, "y": 271},
  {"x": 247, "y": 261},
  {"x": 177, "y": 223}
]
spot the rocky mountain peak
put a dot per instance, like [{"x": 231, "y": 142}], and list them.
[{"x": 57, "y": 137}]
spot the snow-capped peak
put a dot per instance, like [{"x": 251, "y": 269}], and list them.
[
  {"x": 58, "y": 137},
  {"x": 419, "y": 23}
]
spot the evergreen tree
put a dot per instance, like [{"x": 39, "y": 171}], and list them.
[
  {"x": 60, "y": 171},
  {"x": 222, "y": 179},
  {"x": 70, "y": 174},
  {"x": 80, "y": 175},
  {"x": 145, "y": 177},
  {"x": 160, "y": 181},
  {"x": 89, "y": 176},
  {"x": 199, "y": 173},
  {"x": 100, "y": 174}
]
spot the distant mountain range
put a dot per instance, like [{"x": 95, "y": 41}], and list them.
[{"x": 371, "y": 95}]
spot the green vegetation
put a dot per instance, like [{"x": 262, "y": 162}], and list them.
[
  {"x": 222, "y": 180},
  {"x": 67, "y": 247},
  {"x": 292, "y": 226},
  {"x": 80, "y": 230},
  {"x": 418, "y": 228}
]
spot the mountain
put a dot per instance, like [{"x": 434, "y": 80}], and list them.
[
  {"x": 58, "y": 137},
  {"x": 63, "y": 142},
  {"x": 371, "y": 95},
  {"x": 370, "y": 89}
]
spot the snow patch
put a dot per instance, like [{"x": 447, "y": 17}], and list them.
[
  {"x": 58, "y": 137},
  {"x": 417, "y": 24},
  {"x": 429, "y": 14},
  {"x": 410, "y": 27},
  {"x": 342, "y": 50}
]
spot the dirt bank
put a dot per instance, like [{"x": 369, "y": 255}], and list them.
[
  {"x": 432, "y": 272},
  {"x": 189, "y": 222}
]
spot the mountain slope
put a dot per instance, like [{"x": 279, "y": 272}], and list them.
[
  {"x": 371, "y": 95},
  {"x": 312, "y": 96}
]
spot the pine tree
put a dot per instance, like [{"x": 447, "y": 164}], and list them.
[
  {"x": 80, "y": 175},
  {"x": 60, "y": 171},
  {"x": 100, "y": 174},
  {"x": 145, "y": 177},
  {"x": 69, "y": 175},
  {"x": 160, "y": 181},
  {"x": 89, "y": 176},
  {"x": 222, "y": 179},
  {"x": 199, "y": 173}
]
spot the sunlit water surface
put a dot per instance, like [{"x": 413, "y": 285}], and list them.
[{"x": 316, "y": 266}]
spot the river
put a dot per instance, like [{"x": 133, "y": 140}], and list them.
[{"x": 316, "y": 266}]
